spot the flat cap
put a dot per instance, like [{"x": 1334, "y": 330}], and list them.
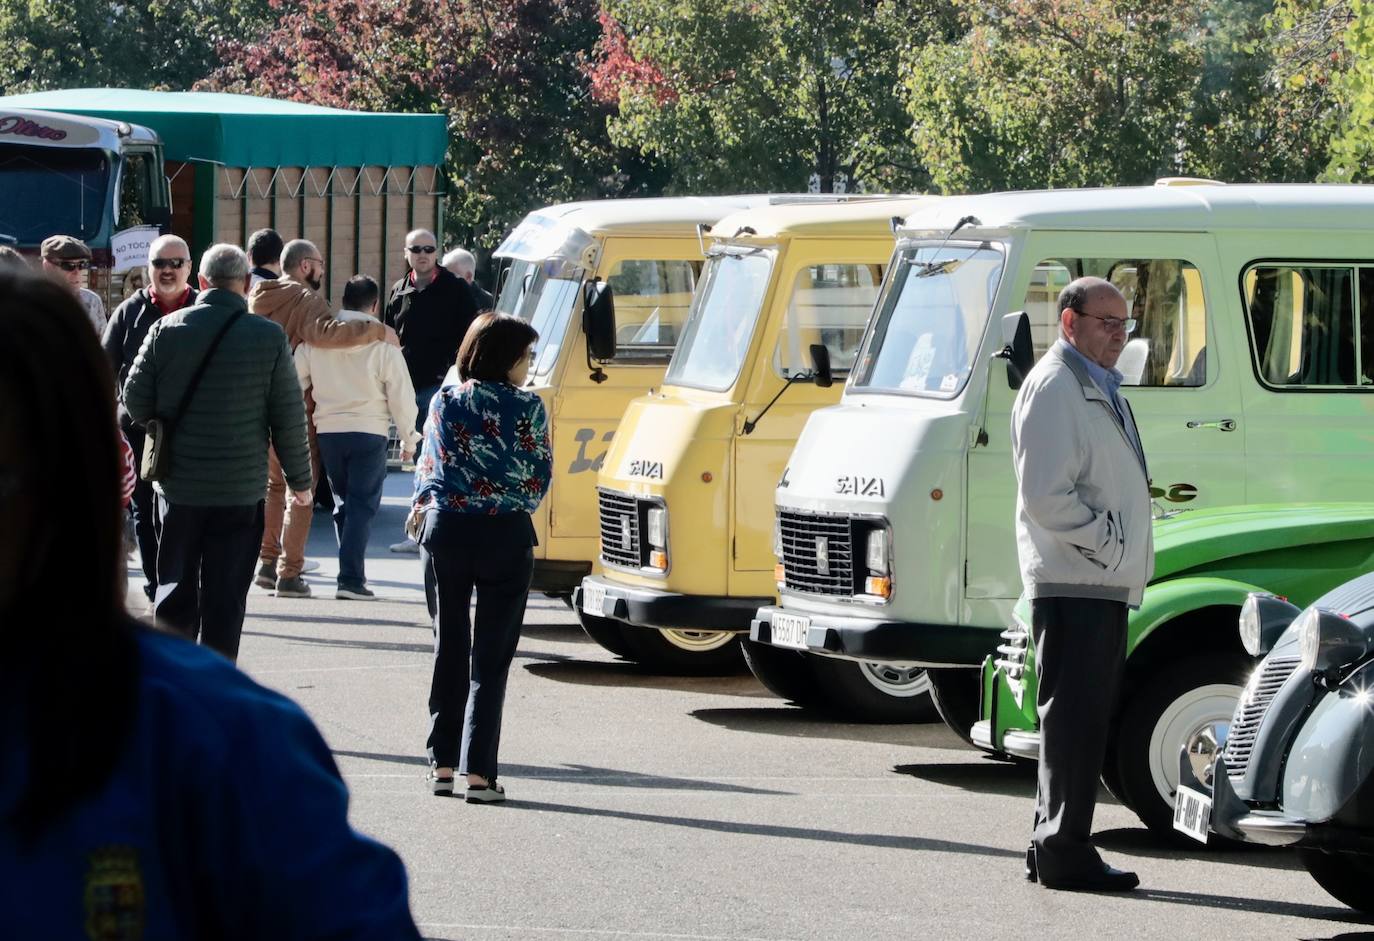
[{"x": 64, "y": 247}]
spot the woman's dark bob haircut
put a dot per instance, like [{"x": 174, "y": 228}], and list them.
[{"x": 493, "y": 345}]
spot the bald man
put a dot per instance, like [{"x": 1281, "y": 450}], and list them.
[
  {"x": 167, "y": 291},
  {"x": 1086, "y": 552}
]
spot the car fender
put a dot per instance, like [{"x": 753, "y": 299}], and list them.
[
  {"x": 1167, "y": 601},
  {"x": 1330, "y": 763}
]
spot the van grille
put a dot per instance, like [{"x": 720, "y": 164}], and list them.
[
  {"x": 619, "y": 514},
  {"x": 1254, "y": 703},
  {"x": 802, "y": 539}
]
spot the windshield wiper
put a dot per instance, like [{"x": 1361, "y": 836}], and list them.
[{"x": 929, "y": 268}]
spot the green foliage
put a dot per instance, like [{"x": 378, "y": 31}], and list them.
[{"x": 759, "y": 96}]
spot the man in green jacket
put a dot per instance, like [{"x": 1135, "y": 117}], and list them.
[{"x": 210, "y": 502}]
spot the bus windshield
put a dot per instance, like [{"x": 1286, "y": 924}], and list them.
[
  {"x": 52, "y": 189},
  {"x": 931, "y": 320},
  {"x": 721, "y": 322}
]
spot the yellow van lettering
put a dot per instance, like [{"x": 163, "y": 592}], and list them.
[{"x": 581, "y": 463}]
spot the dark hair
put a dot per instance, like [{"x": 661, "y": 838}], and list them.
[
  {"x": 493, "y": 345},
  {"x": 264, "y": 247},
  {"x": 360, "y": 293},
  {"x": 74, "y": 652},
  {"x": 10, "y": 260}
]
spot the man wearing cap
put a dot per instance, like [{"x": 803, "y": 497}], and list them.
[
  {"x": 169, "y": 268},
  {"x": 66, "y": 258}
]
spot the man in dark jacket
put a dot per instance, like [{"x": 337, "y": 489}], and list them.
[
  {"x": 210, "y": 501},
  {"x": 169, "y": 268}
]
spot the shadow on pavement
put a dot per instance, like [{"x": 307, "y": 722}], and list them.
[
  {"x": 1265, "y": 906},
  {"x": 396, "y": 646},
  {"x": 987, "y": 776},
  {"x": 1146, "y": 844},
  {"x": 621, "y": 673},
  {"x": 802, "y": 723},
  {"x": 881, "y": 840},
  {"x": 584, "y": 774},
  {"x": 336, "y": 619}
]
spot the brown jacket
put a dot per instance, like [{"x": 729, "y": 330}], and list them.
[{"x": 306, "y": 317}]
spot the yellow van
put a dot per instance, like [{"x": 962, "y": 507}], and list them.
[
  {"x": 649, "y": 253},
  {"x": 686, "y": 491}
]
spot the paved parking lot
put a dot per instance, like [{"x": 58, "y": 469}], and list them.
[{"x": 666, "y": 808}]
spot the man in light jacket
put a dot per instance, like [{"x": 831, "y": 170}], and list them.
[
  {"x": 1086, "y": 552},
  {"x": 357, "y": 391}
]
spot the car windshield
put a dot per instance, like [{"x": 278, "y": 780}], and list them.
[
  {"x": 721, "y": 322},
  {"x": 51, "y": 189},
  {"x": 931, "y": 320}
]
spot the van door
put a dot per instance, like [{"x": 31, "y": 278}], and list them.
[
  {"x": 1310, "y": 381},
  {"x": 1180, "y": 368}
]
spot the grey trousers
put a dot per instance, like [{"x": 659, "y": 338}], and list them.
[{"x": 1080, "y": 646}]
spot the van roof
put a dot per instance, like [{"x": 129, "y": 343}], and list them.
[
  {"x": 663, "y": 216},
  {"x": 75, "y": 130},
  {"x": 1166, "y": 208},
  {"x": 865, "y": 217}
]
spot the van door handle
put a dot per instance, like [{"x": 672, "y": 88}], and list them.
[{"x": 1221, "y": 424}]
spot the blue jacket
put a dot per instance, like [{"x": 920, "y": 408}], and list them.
[{"x": 225, "y": 818}]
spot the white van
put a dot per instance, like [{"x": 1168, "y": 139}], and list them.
[{"x": 1251, "y": 375}]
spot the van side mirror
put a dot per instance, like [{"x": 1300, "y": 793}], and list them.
[
  {"x": 820, "y": 366},
  {"x": 598, "y": 319},
  {"x": 160, "y": 216},
  {"x": 1017, "y": 352}
]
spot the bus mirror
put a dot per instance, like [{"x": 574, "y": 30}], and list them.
[
  {"x": 820, "y": 365},
  {"x": 160, "y": 216},
  {"x": 598, "y": 319},
  {"x": 1017, "y": 351}
]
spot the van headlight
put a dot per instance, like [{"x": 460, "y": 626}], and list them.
[
  {"x": 777, "y": 537},
  {"x": 1329, "y": 640},
  {"x": 876, "y": 551},
  {"x": 656, "y": 527}
]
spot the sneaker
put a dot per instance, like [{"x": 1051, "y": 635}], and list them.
[
  {"x": 292, "y": 588},
  {"x": 491, "y": 794},
  {"x": 409, "y": 545},
  {"x": 309, "y": 565},
  {"x": 267, "y": 576},
  {"x": 440, "y": 786},
  {"x": 355, "y": 593}
]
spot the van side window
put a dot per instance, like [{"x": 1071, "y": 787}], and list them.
[
  {"x": 830, "y": 304},
  {"x": 1164, "y": 295},
  {"x": 652, "y": 297},
  {"x": 1310, "y": 325}
]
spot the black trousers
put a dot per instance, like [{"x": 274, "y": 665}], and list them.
[
  {"x": 144, "y": 507},
  {"x": 205, "y": 561},
  {"x": 493, "y": 556},
  {"x": 1080, "y": 646}
]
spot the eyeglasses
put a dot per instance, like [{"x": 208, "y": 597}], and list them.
[
  {"x": 1111, "y": 324},
  {"x": 427, "y": 249},
  {"x": 173, "y": 263},
  {"x": 71, "y": 265}
]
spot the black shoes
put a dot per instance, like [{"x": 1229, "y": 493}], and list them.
[{"x": 1107, "y": 879}]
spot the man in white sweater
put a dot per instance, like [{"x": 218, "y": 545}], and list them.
[{"x": 359, "y": 391}]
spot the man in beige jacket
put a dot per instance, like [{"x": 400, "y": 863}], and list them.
[
  {"x": 294, "y": 304},
  {"x": 358, "y": 393}
]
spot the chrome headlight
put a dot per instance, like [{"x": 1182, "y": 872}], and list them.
[
  {"x": 1263, "y": 619},
  {"x": 777, "y": 537},
  {"x": 1328, "y": 639},
  {"x": 875, "y": 553},
  {"x": 656, "y": 527}
]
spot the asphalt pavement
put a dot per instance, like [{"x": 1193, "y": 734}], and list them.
[{"x": 647, "y": 807}]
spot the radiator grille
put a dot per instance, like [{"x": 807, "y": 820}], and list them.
[
  {"x": 804, "y": 566},
  {"x": 619, "y": 529},
  {"x": 1254, "y": 703}
]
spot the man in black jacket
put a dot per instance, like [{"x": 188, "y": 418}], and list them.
[{"x": 169, "y": 268}]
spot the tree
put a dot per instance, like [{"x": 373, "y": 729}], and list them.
[
  {"x": 510, "y": 75},
  {"x": 760, "y": 96},
  {"x": 1039, "y": 93}
]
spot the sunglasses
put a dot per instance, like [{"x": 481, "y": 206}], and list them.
[
  {"x": 173, "y": 263},
  {"x": 71, "y": 265},
  {"x": 427, "y": 249}
]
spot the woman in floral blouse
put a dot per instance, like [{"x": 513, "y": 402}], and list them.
[{"x": 484, "y": 466}]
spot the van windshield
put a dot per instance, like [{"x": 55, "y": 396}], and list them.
[
  {"x": 548, "y": 306},
  {"x": 514, "y": 284},
  {"x": 52, "y": 189},
  {"x": 721, "y": 322},
  {"x": 931, "y": 320}
]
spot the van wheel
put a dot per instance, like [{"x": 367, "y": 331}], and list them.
[
  {"x": 1347, "y": 876},
  {"x": 680, "y": 652},
  {"x": 607, "y": 632},
  {"x": 786, "y": 673},
  {"x": 957, "y": 693},
  {"x": 1183, "y": 704},
  {"x": 874, "y": 692}
]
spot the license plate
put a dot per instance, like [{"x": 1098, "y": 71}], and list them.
[
  {"x": 1192, "y": 813},
  {"x": 594, "y": 600},
  {"x": 789, "y": 630}
]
